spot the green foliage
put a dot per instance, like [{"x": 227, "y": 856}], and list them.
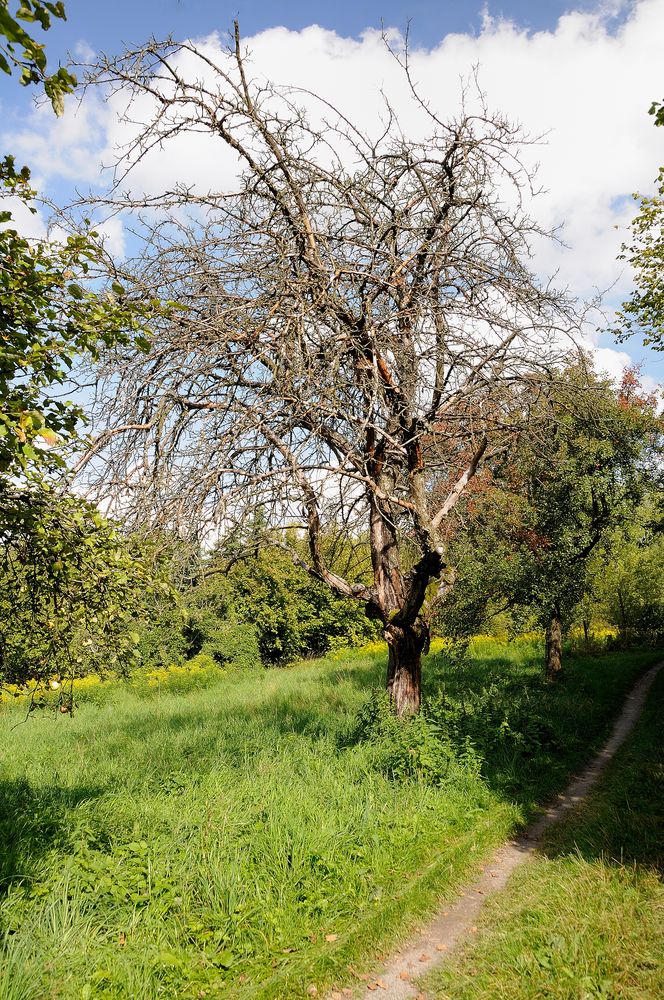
[
  {"x": 532, "y": 525},
  {"x": 416, "y": 747},
  {"x": 628, "y": 584},
  {"x": 48, "y": 319},
  {"x": 658, "y": 111},
  {"x": 643, "y": 312},
  {"x": 70, "y": 587},
  {"x": 224, "y": 640},
  {"x": 293, "y": 614},
  {"x": 162, "y": 639},
  {"x": 23, "y": 52}
]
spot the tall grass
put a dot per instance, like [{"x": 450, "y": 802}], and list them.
[{"x": 245, "y": 838}]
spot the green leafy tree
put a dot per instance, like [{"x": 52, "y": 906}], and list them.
[
  {"x": 48, "y": 319},
  {"x": 69, "y": 582},
  {"x": 72, "y": 588},
  {"x": 294, "y": 614},
  {"x": 643, "y": 312},
  {"x": 528, "y": 541},
  {"x": 628, "y": 585}
]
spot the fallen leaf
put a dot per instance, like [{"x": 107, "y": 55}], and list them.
[
  {"x": 473, "y": 930},
  {"x": 331, "y": 937},
  {"x": 381, "y": 983},
  {"x": 404, "y": 975},
  {"x": 424, "y": 957},
  {"x": 441, "y": 947}
]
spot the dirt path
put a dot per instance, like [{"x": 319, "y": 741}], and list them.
[{"x": 456, "y": 921}]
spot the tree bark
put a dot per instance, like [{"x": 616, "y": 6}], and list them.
[
  {"x": 623, "y": 616},
  {"x": 405, "y": 644},
  {"x": 554, "y": 644}
]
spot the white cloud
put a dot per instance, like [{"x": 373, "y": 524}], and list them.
[
  {"x": 113, "y": 235},
  {"x": 585, "y": 85},
  {"x": 611, "y": 362}
]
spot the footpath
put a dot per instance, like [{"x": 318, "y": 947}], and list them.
[{"x": 455, "y": 922}]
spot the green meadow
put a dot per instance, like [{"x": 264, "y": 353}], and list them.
[{"x": 270, "y": 833}]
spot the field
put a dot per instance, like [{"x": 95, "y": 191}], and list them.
[
  {"x": 266, "y": 833},
  {"x": 585, "y": 919}
]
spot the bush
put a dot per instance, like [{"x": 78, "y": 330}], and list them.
[
  {"x": 226, "y": 641},
  {"x": 413, "y": 748}
]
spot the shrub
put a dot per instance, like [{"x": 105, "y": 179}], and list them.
[{"x": 413, "y": 748}]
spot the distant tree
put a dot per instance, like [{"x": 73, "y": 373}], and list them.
[
  {"x": 628, "y": 584},
  {"x": 530, "y": 533}
]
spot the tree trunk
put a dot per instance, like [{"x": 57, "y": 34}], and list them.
[
  {"x": 623, "y": 616},
  {"x": 404, "y": 666},
  {"x": 554, "y": 644}
]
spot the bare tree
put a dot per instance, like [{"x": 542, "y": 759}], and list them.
[{"x": 358, "y": 326}]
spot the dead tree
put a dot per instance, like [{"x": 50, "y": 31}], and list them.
[{"x": 357, "y": 323}]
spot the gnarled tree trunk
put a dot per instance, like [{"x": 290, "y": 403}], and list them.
[
  {"x": 405, "y": 644},
  {"x": 553, "y": 665}
]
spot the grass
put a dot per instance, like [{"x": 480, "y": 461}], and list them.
[
  {"x": 242, "y": 839},
  {"x": 585, "y": 920}
]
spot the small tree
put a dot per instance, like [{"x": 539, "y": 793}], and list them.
[
  {"x": 357, "y": 321},
  {"x": 530, "y": 532}
]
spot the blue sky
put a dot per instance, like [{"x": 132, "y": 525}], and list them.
[
  {"x": 584, "y": 72},
  {"x": 109, "y": 24},
  {"x": 106, "y": 24}
]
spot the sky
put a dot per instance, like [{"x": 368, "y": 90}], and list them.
[{"x": 582, "y": 73}]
